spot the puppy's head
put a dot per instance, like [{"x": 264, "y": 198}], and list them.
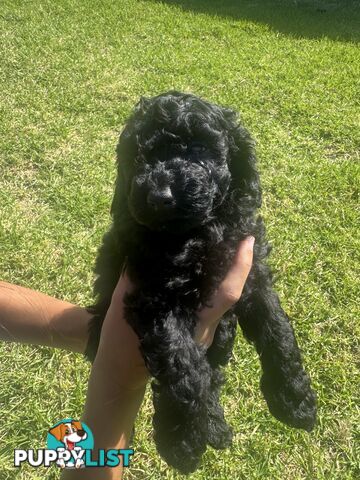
[{"x": 179, "y": 159}]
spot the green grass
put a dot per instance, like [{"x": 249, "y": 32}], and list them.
[{"x": 70, "y": 73}]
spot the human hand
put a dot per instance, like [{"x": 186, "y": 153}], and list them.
[
  {"x": 119, "y": 341},
  {"x": 119, "y": 345}
]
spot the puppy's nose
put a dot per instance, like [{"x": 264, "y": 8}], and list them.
[
  {"x": 161, "y": 199},
  {"x": 81, "y": 433}
]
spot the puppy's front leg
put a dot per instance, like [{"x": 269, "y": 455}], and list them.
[
  {"x": 285, "y": 384},
  {"x": 109, "y": 264}
]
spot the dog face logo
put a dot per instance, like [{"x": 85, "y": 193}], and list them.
[{"x": 69, "y": 433}]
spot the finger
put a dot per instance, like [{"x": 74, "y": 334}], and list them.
[
  {"x": 119, "y": 344},
  {"x": 114, "y": 320},
  {"x": 204, "y": 333},
  {"x": 235, "y": 279},
  {"x": 123, "y": 286},
  {"x": 231, "y": 287}
]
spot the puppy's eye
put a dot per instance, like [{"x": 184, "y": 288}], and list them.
[{"x": 196, "y": 147}]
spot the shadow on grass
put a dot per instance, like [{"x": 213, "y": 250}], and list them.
[{"x": 334, "y": 19}]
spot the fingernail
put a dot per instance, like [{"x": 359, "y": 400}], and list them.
[{"x": 250, "y": 240}]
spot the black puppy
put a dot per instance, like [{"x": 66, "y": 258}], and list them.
[{"x": 187, "y": 192}]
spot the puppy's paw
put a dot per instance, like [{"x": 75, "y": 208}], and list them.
[
  {"x": 180, "y": 452},
  {"x": 220, "y": 435},
  {"x": 292, "y": 402}
]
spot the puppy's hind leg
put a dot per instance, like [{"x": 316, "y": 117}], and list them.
[
  {"x": 284, "y": 383},
  {"x": 180, "y": 392}
]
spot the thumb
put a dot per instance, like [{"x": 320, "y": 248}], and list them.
[
  {"x": 235, "y": 279},
  {"x": 230, "y": 289}
]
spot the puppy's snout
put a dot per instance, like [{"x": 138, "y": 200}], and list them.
[
  {"x": 161, "y": 199},
  {"x": 81, "y": 433}
]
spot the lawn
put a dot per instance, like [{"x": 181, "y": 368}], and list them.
[{"x": 70, "y": 73}]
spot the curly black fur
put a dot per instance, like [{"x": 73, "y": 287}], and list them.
[{"x": 187, "y": 192}]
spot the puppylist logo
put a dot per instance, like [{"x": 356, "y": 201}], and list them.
[{"x": 70, "y": 444}]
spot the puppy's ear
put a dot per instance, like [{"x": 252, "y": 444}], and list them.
[
  {"x": 242, "y": 163},
  {"x": 119, "y": 202},
  {"x": 143, "y": 104},
  {"x": 126, "y": 150},
  {"x": 77, "y": 425}
]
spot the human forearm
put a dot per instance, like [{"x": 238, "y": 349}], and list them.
[
  {"x": 117, "y": 382},
  {"x": 27, "y": 316},
  {"x": 110, "y": 413}
]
